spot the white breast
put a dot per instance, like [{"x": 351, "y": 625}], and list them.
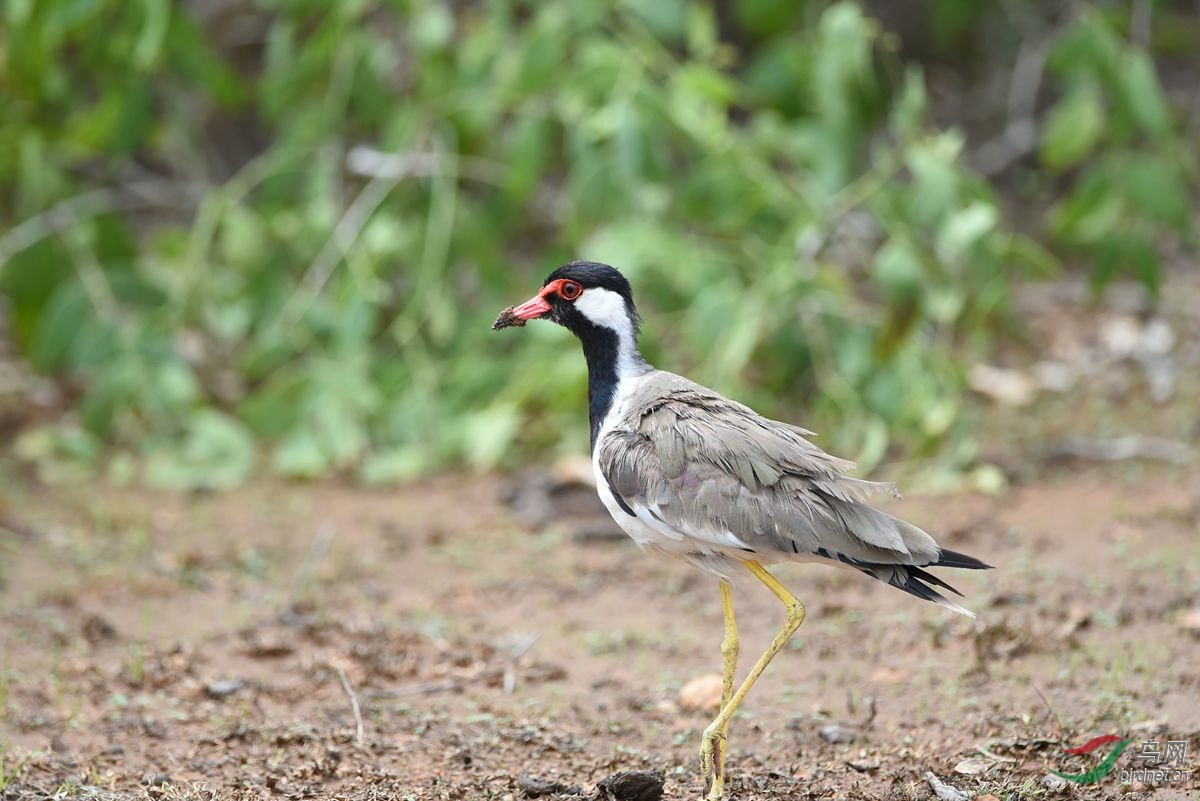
[{"x": 647, "y": 531}]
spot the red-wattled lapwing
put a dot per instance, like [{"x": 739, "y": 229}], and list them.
[{"x": 690, "y": 473}]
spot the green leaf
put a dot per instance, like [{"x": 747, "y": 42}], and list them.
[
  {"x": 665, "y": 18},
  {"x": 1090, "y": 213},
  {"x": 702, "y": 38},
  {"x": 1143, "y": 93},
  {"x": 487, "y": 434},
  {"x": 964, "y": 229},
  {"x": 874, "y": 443},
  {"x": 1073, "y": 128},
  {"x": 300, "y": 455},
  {"x": 936, "y": 185},
  {"x": 154, "y": 30},
  {"x": 1155, "y": 189},
  {"x": 58, "y": 326},
  {"x": 175, "y": 384},
  {"x": 432, "y": 27},
  {"x": 908, "y": 113},
  {"x": 216, "y": 452},
  {"x": 109, "y": 396},
  {"x": 897, "y": 270},
  {"x": 394, "y": 465},
  {"x": 62, "y": 454}
]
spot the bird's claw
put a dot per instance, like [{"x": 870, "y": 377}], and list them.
[{"x": 712, "y": 763}]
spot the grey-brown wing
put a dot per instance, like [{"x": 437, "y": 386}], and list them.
[{"x": 701, "y": 466}]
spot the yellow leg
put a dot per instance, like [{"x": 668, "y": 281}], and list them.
[
  {"x": 714, "y": 765},
  {"x": 730, "y": 645},
  {"x": 712, "y": 747}
]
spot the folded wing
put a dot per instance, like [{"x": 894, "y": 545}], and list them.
[{"x": 699, "y": 466}]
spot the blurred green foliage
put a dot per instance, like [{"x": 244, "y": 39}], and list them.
[
  {"x": 1133, "y": 195},
  {"x": 274, "y": 237}
]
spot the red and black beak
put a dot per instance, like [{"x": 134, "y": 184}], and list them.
[{"x": 535, "y": 307}]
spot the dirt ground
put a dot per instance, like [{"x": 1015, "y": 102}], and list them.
[{"x": 215, "y": 647}]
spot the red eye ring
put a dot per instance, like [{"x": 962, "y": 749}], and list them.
[{"x": 570, "y": 290}]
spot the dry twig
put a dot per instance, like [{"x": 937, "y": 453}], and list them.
[{"x": 358, "y": 721}]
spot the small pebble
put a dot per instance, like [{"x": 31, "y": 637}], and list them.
[
  {"x": 222, "y": 688},
  {"x": 702, "y": 692},
  {"x": 837, "y": 733}
]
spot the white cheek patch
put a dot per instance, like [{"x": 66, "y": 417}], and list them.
[{"x": 605, "y": 307}]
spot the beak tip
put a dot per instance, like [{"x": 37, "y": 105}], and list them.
[{"x": 507, "y": 319}]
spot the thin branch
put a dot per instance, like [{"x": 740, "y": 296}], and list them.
[
  {"x": 93, "y": 203},
  {"x": 1050, "y": 709},
  {"x": 1120, "y": 449},
  {"x": 371, "y": 163},
  {"x": 347, "y": 231},
  {"x": 343, "y": 237},
  {"x": 317, "y": 551},
  {"x": 1019, "y": 136},
  {"x": 358, "y": 721},
  {"x": 56, "y": 219}
]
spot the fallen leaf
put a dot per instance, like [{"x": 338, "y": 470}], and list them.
[
  {"x": 1053, "y": 783},
  {"x": 971, "y": 766},
  {"x": 945, "y": 791}
]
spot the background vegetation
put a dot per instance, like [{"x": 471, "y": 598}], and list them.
[{"x": 244, "y": 236}]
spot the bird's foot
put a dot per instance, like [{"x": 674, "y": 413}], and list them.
[{"x": 712, "y": 763}]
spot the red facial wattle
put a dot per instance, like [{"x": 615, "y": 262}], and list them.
[{"x": 539, "y": 304}]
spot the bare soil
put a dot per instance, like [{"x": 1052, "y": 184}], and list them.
[{"x": 216, "y": 647}]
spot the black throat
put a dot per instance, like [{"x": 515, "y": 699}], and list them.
[{"x": 601, "y": 348}]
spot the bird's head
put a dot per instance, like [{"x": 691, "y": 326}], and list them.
[{"x": 580, "y": 296}]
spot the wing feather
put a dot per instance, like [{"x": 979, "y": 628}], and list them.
[{"x": 710, "y": 469}]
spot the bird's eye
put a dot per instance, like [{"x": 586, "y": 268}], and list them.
[{"x": 570, "y": 290}]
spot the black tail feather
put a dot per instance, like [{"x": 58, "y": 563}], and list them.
[
  {"x": 914, "y": 586},
  {"x": 915, "y": 580},
  {"x": 918, "y": 573},
  {"x": 912, "y": 580},
  {"x": 955, "y": 559}
]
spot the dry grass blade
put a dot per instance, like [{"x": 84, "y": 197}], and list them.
[{"x": 358, "y": 721}]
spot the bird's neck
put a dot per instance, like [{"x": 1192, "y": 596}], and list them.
[{"x": 612, "y": 359}]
